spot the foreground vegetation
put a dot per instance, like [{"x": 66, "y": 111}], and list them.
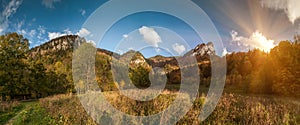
[
  {"x": 231, "y": 109},
  {"x": 8, "y": 110}
]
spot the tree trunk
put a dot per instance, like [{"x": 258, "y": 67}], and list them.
[{"x": 3, "y": 97}]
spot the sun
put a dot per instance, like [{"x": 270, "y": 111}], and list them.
[{"x": 262, "y": 42}]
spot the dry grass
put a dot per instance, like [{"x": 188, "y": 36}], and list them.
[
  {"x": 66, "y": 110},
  {"x": 250, "y": 110},
  {"x": 231, "y": 109},
  {"x": 8, "y": 105}
]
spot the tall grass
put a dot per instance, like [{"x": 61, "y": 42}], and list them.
[
  {"x": 66, "y": 110},
  {"x": 231, "y": 109},
  {"x": 249, "y": 110}
]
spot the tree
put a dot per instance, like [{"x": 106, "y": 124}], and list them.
[
  {"x": 297, "y": 39},
  {"x": 13, "y": 65},
  {"x": 140, "y": 76},
  {"x": 38, "y": 78},
  {"x": 246, "y": 67},
  {"x": 286, "y": 68},
  {"x": 103, "y": 72},
  {"x": 84, "y": 68}
]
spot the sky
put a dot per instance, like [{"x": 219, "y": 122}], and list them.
[{"x": 241, "y": 24}]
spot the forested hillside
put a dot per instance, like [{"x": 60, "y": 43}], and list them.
[
  {"x": 276, "y": 72},
  {"x": 47, "y": 69}
]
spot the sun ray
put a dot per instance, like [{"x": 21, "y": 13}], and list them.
[{"x": 270, "y": 22}]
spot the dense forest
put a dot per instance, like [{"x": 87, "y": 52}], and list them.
[
  {"x": 275, "y": 72},
  {"x": 47, "y": 69}
]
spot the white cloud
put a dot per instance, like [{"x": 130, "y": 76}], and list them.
[
  {"x": 125, "y": 36},
  {"x": 82, "y": 12},
  {"x": 150, "y": 35},
  {"x": 92, "y": 42},
  {"x": 178, "y": 48},
  {"x": 256, "y": 40},
  {"x": 32, "y": 33},
  {"x": 42, "y": 30},
  {"x": 225, "y": 52},
  {"x": 23, "y": 32},
  {"x": 53, "y": 35},
  {"x": 20, "y": 24},
  {"x": 120, "y": 52},
  {"x": 157, "y": 50},
  {"x": 8, "y": 11},
  {"x": 49, "y": 3},
  {"x": 83, "y": 32},
  {"x": 67, "y": 31},
  {"x": 290, "y": 7},
  {"x": 18, "y": 27}
]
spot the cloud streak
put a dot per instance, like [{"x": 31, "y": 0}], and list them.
[
  {"x": 49, "y": 3},
  {"x": 8, "y": 11},
  {"x": 83, "y": 32},
  {"x": 82, "y": 12},
  {"x": 256, "y": 40},
  {"x": 290, "y": 7}
]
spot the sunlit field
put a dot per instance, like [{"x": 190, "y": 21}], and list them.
[{"x": 231, "y": 109}]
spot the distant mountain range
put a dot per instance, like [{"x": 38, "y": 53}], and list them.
[
  {"x": 65, "y": 44},
  {"x": 245, "y": 70},
  {"x": 61, "y": 50}
]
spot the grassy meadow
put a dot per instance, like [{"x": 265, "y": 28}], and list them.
[{"x": 66, "y": 109}]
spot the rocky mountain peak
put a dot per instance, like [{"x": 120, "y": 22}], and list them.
[
  {"x": 204, "y": 49},
  {"x": 63, "y": 43},
  {"x": 134, "y": 57}
]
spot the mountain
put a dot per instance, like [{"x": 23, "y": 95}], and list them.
[
  {"x": 107, "y": 53},
  {"x": 134, "y": 58},
  {"x": 161, "y": 61},
  {"x": 47, "y": 69},
  {"x": 60, "y": 44},
  {"x": 202, "y": 51},
  {"x": 63, "y": 46},
  {"x": 56, "y": 55},
  {"x": 60, "y": 50}
]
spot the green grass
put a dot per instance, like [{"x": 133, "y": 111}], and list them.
[
  {"x": 33, "y": 114},
  {"x": 9, "y": 110},
  {"x": 25, "y": 113}
]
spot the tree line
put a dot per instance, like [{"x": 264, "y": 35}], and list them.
[
  {"x": 23, "y": 76},
  {"x": 275, "y": 72}
]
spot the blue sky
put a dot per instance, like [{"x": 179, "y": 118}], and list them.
[{"x": 242, "y": 24}]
